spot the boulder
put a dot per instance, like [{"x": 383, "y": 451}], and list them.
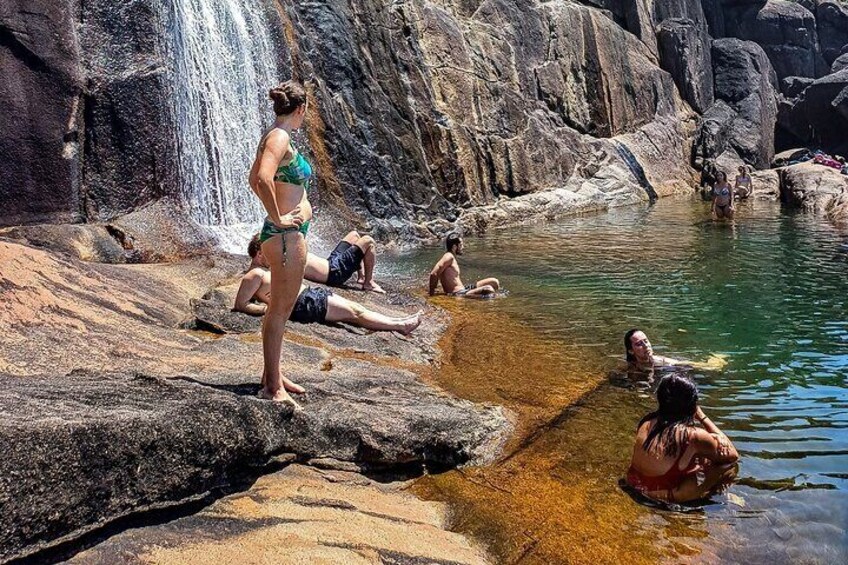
[
  {"x": 813, "y": 188},
  {"x": 40, "y": 98},
  {"x": 766, "y": 184},
  {"x": 303, "y": 515},
  {"x": 744, "y": 114},
  {"x": 84, "y": 449},
  {"x": 784, "y": 29},
  {"x": 832, "y": 25},
  {"x": 684, "y": 50},
  {"x": 87, "y": 242},
  {"x": 840, "y": 63},
  {"x": 791, "y": 87},
  {"x": 819, "y": 116}
]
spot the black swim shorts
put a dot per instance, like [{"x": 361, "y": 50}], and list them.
[
  {"x": 344, "y": 261},
  {"x": 311, "y": 306}
]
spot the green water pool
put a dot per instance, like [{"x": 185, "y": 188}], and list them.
[{"x": 769, "y": 293}]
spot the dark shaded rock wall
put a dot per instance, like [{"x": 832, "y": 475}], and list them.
[
  {"x": 40, "y": 127},
  {"x": 744, "y": 116}
]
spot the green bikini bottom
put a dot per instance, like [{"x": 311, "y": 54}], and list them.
[{"x": 270, "y": 229}]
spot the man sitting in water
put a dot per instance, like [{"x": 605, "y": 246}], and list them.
[
  {"x": 446, "y": 271},
  {"x": 354, "y": 254},
  {"x": 640, "y": 355},
  {"x": 314, "y": 304}
]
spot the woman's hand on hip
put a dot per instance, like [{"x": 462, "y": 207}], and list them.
[{"x": 291, "y": 220}]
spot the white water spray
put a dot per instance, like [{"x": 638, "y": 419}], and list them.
[{"x": 224, "y": 63}]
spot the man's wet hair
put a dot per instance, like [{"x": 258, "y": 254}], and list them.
[
  {"x": 453, "y": 239},
  {"x": 254, "y": 246}
]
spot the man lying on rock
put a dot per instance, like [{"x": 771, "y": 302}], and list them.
[
  {"x": 446, "y": 271},
  {"x": 354, "y": 254},
  {"x": 314, "y": 304}
]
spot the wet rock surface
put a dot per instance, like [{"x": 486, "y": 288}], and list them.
[
  {"x": 299, "y": 515},
  {"x": 814, "y": 188},
  {"x": 119, "y": 411}
]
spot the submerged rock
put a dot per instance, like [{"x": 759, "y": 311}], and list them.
[{"x": 300, "y": 515}]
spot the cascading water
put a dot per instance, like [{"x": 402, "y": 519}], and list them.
[{"x": 225, "y": 60}]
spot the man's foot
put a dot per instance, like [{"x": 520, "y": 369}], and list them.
[
  {"x": 292, "y": 386},
  {"x": 410, "y": 324},
  {"x": 280, "y": 396},
  {"x": 373, "y": 287}
]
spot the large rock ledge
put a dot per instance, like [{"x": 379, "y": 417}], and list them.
[
  {"x": 108, "y": 409},
  {"x": 87, "y": 448}
]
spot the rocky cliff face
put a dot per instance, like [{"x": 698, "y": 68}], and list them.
[
  {"x": 423, "y": 108},
  {"x": 425, "y": 111}
]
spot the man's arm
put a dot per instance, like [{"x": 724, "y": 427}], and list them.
[
  {"x": 250, "y": 283},
  {"x": 436, "y": 273}
]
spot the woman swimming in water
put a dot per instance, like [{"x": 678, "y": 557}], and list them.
[
  {"x": 743, "y": 185},
  {"x": 673, "y": 459},
  {"x": 722, "y": 197},
  {"x": 280, "y": 178},
  {"x": 640, "y": 356}
]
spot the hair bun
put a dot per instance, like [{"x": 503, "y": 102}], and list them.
[{"x": 279, "y": 95}]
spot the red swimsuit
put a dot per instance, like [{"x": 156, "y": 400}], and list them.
[{"x": 668, "y": 481}]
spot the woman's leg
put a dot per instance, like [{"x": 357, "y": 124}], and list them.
[
  {"x": 714, "y": 476},
  {"x": 342, "y": 310},
  {"x": 286, "y": 277}
]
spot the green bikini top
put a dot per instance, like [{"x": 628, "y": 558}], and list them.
[{"x": 297, "y": 171}]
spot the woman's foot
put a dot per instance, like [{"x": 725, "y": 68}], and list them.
[
  {"x": 280, "y": 396},
  {"x": 292, "y": 386}
]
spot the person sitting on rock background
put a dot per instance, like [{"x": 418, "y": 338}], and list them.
[
  {"x": 354, "y": 253},
  {"x": 314, "y": 304},
  {"x": 446, "y": 271},
  {"x": 744, "y": 187}
]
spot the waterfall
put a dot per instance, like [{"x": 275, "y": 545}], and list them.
[{"x": 225, "y": 60}]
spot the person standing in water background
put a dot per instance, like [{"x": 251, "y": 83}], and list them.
[
  {"x": 722, "y": 194},
  {"x": 280, "y": 178}
]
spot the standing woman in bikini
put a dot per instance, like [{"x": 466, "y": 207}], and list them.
[
  {"x": 280, "y": 177},
  {"x": 722, "y": 197}
]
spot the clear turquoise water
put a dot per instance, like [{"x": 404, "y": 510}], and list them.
[{"x": 770, "y": 293}]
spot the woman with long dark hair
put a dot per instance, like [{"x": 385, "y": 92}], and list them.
[
  {"x": 280, "y": 178},
  {"x": 675, "y": 460}
]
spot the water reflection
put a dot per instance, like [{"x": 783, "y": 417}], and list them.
[{"x": 768, "y": 293}]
